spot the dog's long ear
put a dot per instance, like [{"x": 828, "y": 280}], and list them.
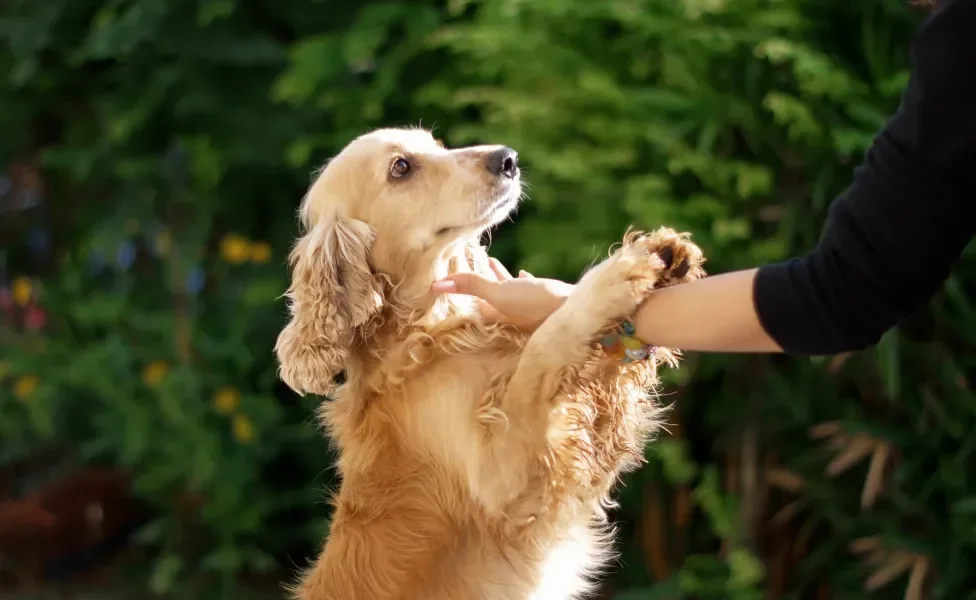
[{"x": 332, "y": 292}]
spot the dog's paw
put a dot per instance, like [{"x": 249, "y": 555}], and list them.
[
  {"x": 613, "y": 289},
  {"x": 682, "y": 259}
]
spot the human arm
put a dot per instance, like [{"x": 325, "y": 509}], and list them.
[
  {"x": 888, "y": 245},
  {"x": 715, "y": 314},
  {"x": 890, "y": 239}
]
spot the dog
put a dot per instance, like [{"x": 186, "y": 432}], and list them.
[{"x": 476, "y": 461}]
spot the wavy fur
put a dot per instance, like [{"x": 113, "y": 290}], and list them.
[{"x": 476, "y": 461}]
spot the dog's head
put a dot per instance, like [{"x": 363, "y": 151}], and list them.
[{"x": 394, "y": 204}]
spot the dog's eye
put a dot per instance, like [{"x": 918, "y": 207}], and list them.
[{"x": 399, "y": 168}]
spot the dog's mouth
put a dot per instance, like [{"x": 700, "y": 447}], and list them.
[{"x": 499, "y": 206}]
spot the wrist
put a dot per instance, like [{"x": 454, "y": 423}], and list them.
[
  {"x": 625, "y": 346},
  {"x": 556, "y": 295},
  {"x": 559, "y": 298}
]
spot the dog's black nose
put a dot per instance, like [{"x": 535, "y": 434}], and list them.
[{"x": 503, "y": 162}]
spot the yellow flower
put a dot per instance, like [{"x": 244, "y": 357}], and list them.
[
  {"x": 26, "y": 385},
  {"x": 234, "y": 248},
  {"x": 260, "y": 252},
  {"x": 22, "y": 289},
  {"x": 163, "y": 242},
  {"x": 226, "y": 400},
  {"x": 243, "y": 429},
  {"x": 154, "y": 373}
]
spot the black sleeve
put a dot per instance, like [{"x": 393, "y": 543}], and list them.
[{"x": 891, "y": 239}]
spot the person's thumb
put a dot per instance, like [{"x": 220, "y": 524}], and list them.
[{"x": 471, "y": 284}]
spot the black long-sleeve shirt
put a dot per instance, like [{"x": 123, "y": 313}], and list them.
[{"x": 891, "y": 239}]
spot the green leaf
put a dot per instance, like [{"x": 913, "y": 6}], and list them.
[
  {"x": 675, "y": 459},
  {"x": 665, "y": 590},
  {"x": 889, "y": 362},
  {"x": 166, "y": 570}
]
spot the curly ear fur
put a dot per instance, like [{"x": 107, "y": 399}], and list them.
[{"x": 333, "y": 292}]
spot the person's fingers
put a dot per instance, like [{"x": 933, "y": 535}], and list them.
[
  {"x": 526, "y": 275},
  {"x": 470, "y": 284},
  {"x": 499, "y": 269}
]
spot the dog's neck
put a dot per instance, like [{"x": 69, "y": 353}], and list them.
[
  {"x": 410, "y": 318},
  {"x": 406, "y": 335},
  {"x": 410, "y": 301},
  {"x": 409, "y": 307}
]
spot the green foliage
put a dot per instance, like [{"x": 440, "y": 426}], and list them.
[{"x": 175, "y": 139}]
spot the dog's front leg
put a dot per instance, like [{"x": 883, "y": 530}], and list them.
[{"x": 537, "y": 454}]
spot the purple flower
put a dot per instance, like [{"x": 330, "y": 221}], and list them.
[
  {"x": 125, "y": 255},
  {"x": 38, "y": 240},
  {"x": 195, "y": 280}
]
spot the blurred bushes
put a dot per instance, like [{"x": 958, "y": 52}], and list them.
[{"x": 155, "y": 152}]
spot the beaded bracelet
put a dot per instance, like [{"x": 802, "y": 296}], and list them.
[{"x": 623, "y": 345}]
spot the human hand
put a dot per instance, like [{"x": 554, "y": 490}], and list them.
[{"x": 524, "y": 302}]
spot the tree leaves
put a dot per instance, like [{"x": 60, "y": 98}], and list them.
[{"x": 736, "y": 120}]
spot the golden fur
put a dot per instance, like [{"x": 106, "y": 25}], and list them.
[{"x": 476, "y": 461}]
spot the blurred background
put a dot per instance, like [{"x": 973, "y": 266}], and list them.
[{"x": 153, "y": 154}]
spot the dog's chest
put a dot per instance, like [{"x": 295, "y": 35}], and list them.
[
  {"x": 567, "y": 569},
  {"x": 560, "y": 570}
]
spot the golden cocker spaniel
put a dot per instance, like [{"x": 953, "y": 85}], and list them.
[{"x": 476, "y": 460}]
